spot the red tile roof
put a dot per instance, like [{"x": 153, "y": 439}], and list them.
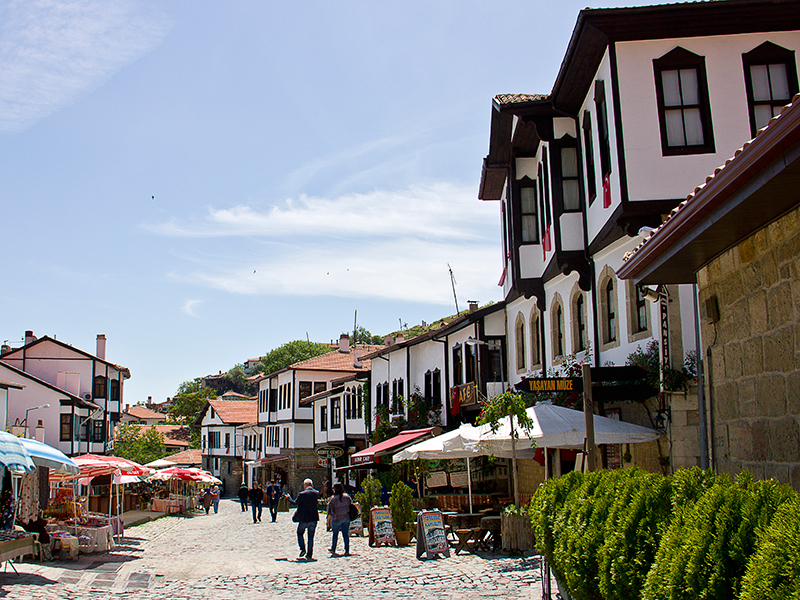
[
  {"x": 174, "y": 435},
  {"x": 187, "y": 457},
  {"x": 337, "y": 361},
  {"x": 236, "y": 412},
  {"x": 142, "y": 412},
  {"x": 233, "y": 396}
]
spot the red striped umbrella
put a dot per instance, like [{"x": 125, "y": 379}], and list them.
[
  {"x": 177, "y": 473},
  {"x": 125, "y": 466}
]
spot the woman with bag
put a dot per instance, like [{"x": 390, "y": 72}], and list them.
[{"x": 339, "y": 514}]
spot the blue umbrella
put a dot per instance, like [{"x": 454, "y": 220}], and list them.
[
  {"x": 47, "y": 456},
  {"x": 14, "y": 456}
]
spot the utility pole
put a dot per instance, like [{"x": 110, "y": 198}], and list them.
[{"x": 453, "y": 283}]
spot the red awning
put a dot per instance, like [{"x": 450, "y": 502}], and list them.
[{"x": 392, "y": 445}]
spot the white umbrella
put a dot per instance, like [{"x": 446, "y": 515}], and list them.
[
  {"x": 553, "y": 427},
  {"x": 160, "y": 463}
]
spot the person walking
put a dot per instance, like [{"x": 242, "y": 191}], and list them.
[
  {"x": 255, "y": 501},
  {"x": 244, "y": 493},
  {"x": 215, "y": 498},
  {"x": 207, "y": 499},
  {"x": 339, "y": 515},
  {"x": 306, "y": 516},
  {"x": 273, "y": 497}
]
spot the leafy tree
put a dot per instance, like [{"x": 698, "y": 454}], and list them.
[
  {"x": 498, "y": 408},
  {"x": 185, "y": 407},
  {"x": 363, "y": 336},
  {"x": 188, "y": 387},
  {"x": 292, "y": 352},
  {"x": 237, "y": 380},
  {"x": 138, "y": 444}
]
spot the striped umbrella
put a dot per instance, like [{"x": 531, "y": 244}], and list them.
[
  {"x": 177, "y": 473},
  {"x": 14, "y": 456},
  {"x": 89, "y": 468},
  {"x": 47, "y": 456},
  {"x": 125, "y": 466}
]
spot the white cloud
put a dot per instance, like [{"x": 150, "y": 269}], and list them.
[
  {"x": 384, "y": 245},
  {"x": 189, "y": 306},
  {"x": 52, "y": 51}
]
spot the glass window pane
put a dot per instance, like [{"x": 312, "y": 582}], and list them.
[
  {"x": 672, "y": 92},
  {"x": 674, "y": 120},
  {"x": 569, "y": 162},
  {"x": 689, "y": 91},
  {"x": 763, "y": 113},
  {"x": 779, "y": 82},
  {"x": 694, "y": 126},
  {"x": 529, "y": 228},
  {"x": 760, "y": 79},
  {"x": 528, "y": 200},
  {"x": 571, "y": 197}
]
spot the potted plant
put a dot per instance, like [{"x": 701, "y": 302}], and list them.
[
  {"x": 402, "y": 512},
  {"x": 371, "y": 496}
]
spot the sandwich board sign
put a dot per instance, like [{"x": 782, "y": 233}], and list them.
[
  {"x": 431, "y": 537},
  {"x": 381, "y": 530}
]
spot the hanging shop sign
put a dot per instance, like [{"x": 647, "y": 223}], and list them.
[
  {"x": 329, "y": 451},
  {"x": 436, "y": 479}
]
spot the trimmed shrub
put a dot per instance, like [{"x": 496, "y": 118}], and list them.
[
  {"x": 633, "y": 531},
  {"x": 545, "y": 505},
  {"x": 774, "y": 570}
]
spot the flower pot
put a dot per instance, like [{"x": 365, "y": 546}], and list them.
[{"x": 403, "y": 538}]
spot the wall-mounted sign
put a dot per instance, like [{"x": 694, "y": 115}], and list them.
[
  {"x": 551, "y": 384},
  {"x": 459, "y": 479},
  {"x": 329, "y": 451},
  {"x": 467, "y": 394},
  {"x": 436, "y": 479}
]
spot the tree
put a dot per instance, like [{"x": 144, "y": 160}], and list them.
[
  {"x": 187, "y": 387},
  {"x": 290, "y": 353},
  {"x": 138, "y": 444},
  {"x": 495, "y": 410},
  {"x": 363, "y": 336},
  {"x": 185, "y": 407},
  {"x": 237, "y": 380}
]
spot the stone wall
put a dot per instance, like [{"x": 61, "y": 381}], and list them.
[{"x": 755, "y": 365}]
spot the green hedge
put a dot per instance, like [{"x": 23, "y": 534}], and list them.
[{"x": 630, "y": 535}]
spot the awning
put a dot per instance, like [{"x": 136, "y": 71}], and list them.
[
  {"x": 373, "y": 454},
  {"x": 267, "y": 459}
]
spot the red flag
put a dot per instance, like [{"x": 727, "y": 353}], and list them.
[
  {"x": 502, "y": 277},
  {"x": 456, "y": 405},
  {"x": 606, "y": 191}
]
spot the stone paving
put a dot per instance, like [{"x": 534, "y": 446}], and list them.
[{"x": 226, "y": 556}]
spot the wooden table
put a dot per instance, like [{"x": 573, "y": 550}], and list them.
[
  {"x": 95, "y": 539},
  {"x": 15, "y": 548},
  {"x": 490, "y": 537},
  {"x": 469, "y": 539}
]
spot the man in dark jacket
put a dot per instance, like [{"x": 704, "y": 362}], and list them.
[
  {"x": 256, "y": 494},
  {"x": 244, "y": 493},
  {"x": 273, "y": 497},
  {"x": 306, "y": 517}
]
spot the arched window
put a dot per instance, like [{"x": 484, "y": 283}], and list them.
[
  {"x": 579, "y": 320},
  {"x": 519, "y": 335},
  {"x": 611, "y": 311},
  {"x": 536, "y": 338},
  {"x": 557, "y": 327},
  {"x": 559, "y": 331}
]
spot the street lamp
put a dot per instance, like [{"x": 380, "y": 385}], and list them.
[
  {"x": 96, "y": 413},
  {"x": 27, "y": 410}
]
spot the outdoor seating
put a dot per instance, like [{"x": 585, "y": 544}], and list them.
[{"x": 468, "y": 539}]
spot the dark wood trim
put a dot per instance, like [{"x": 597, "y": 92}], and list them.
[
  {"x": 620, "y": 137},
  {"x": 767, "y": 53}
]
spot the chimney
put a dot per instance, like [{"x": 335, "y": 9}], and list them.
[
  {"x": 38, "y": 434},
  {"x": 473, "y": 305},
  {"x": 344, "y": 343},
  {"x": 400, "y": 338},
  {"x": 101, "y": 346},
  {"x": 29, "y": 337},
  {"x": 5, "y": 349},
  {"x": 357, "y": 362}
]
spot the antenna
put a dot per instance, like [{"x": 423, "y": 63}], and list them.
[
  {"x": 308, "y": 339},
  {"x": 355, "y": 326},
  {"x": 453, "y": 283}
]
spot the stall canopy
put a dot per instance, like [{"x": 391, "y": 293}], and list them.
[
  {"x": 266, "y": 460},
  {"x": 47, "y": 456},
  {"x": 14, "y": 456},
  {"x": 160, "y": 463},
  {"x": 125, "y": 466},
  {"x": 553, "y": 427},
  {"x": 375, "y": 455}
]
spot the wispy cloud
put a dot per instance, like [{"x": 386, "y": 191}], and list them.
[
  {"x": 388, "y": 245},
  {"x": 53, "y": 51},
  {"x": 189, "y": 306}
]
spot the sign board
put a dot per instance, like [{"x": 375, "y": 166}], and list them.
[
  {"x": 551, "y": 384},
  {"x": 322, "y": 462},
  {"x": 381, "y": 530},
  {"x": 436, "y": 479},
  {"x": 431, "y": 536},
  {"x": 626, "y": 391},
  {"x": 356, "y": 527},
  {"x": 329, "y": 451},
  {"x": 626, "y": 373},
  {"x": 306, "y": 460},
  {"x": 459, "y": 479},
  {"x": 467, "y": 394}
]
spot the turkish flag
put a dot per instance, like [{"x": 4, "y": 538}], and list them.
[{"x": 606, "y": 191}]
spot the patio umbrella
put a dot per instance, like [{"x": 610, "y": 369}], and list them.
[
  {"x": 14, "y": 456},
  {"x": 160, "y": 463},
  {"x": 177, "y": 473},
  {"x": 47, "y": 456},
  {"x": 553, "y": 427},
  {"x": 125, "y": 466}
]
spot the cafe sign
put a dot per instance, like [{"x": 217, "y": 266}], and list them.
[{"x": 329, "y": 451}]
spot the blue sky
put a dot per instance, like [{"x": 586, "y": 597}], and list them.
[{"x": 204, "y": 181}]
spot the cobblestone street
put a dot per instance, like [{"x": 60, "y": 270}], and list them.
[{"x": 227, "y": 556}]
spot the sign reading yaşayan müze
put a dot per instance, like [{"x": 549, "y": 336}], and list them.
[
  {"x": 552, "y": 384},
  {"x": 431, "y": 537},
  {"x": 380, "y": 523}
]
